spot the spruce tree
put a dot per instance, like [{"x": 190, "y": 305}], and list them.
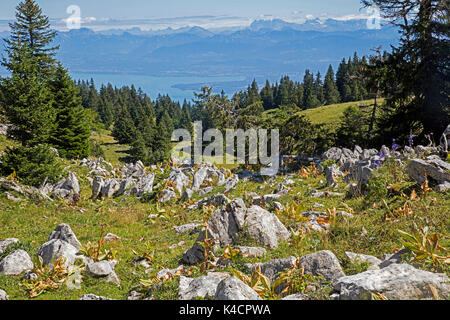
[
  {"x": 331, "y": 93},
  {"x": 72, "y": 130}
]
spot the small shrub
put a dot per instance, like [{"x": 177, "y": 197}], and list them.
[
  {"x": 32, "y": 165},
  {"x": 96, "y": 149}
]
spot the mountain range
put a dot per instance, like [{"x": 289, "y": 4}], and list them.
[{"x": 266, "y": 49}]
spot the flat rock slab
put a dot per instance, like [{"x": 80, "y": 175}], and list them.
[
  {"x": 396, "y": 282},
  {"x": 4, "y": 244}
]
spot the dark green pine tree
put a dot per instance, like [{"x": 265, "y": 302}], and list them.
[
  {"x": 124, "y": 129},
  {"x": 267, "y": 96},
  {"x": 318, "y": 88},
  {"x": 331, "y": 93},
  {"x": 309, "y": 96},
  {"x": 32, "y": 28},
  {"x": 26, "y": 97},
  {"x": 71, "y": 128}
]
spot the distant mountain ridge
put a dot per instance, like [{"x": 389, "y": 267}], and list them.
[{"x": 266, "y": 49}]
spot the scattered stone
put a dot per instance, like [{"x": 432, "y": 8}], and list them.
[
  {"x": 186, "y": 228},
  {"x": 64, "y": 232},
  {"x": 30, "y": 275},
  {"x": 324, "y": 264},
  {"x": 4, "y": 244},
  {"x": 331, "y": 174},
  {"x": 145, "y": 185},
  {"x": 252, "y": 252},
  {"x": 167, "y": 195},
  {"x": 15, "y": 263},
  {"x": 278, "y": 206},
  {"x": 206, "y": 190},
  {"x": 199, "y": 177},
  {"x": 363, "y": 258},
  {"x": 179, "y": 179},
  {"x": 167, "y": 273},
  {"x": 3, "y": 296},
  {"x": 395, "y": 282},
  {"x": 179, "y": 244},
  {"x": 9, "y": 196},
  {"x": 111, "y": 237},
  {"x": 393, "y": 258},
  {"x": 97, "y": 186},
  {"x": 235, "y": 289},
  {"x": 231, "y": 183},
  {"x": 297, "y": 296},
  {"x": 93, "y": 297},
  {"x": 203, "y": 287},
  {"x": 187, "y": 195}
]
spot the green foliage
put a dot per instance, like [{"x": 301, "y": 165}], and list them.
[
  {"x": 96, "y": 149},
  {"x": 353, "y": 128},
  {"x": 32, "y": 165},
  {"x": 71, "y": 129}
]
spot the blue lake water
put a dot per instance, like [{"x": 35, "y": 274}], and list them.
[{"x": 178, "y": 88}]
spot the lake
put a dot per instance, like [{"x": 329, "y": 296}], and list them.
[{"x": 178, "y": 88}]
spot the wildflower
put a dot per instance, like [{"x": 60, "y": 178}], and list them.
[
  {"x": 395, "y": 146},
  {"x": 377, "y": 163},
  {"x": 411, "y": 140}
]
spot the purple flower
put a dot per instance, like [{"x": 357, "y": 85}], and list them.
[
  {"x": 411, "y": 140},
  {"x": 395, "y": 146},
  {"x": 377, "y": 163}
]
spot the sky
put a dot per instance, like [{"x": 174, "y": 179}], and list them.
[{"x": 177, "y": 13}]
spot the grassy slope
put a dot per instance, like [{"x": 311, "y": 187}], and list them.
[
  {"x": 32, "y": 223},
  {"x": 114, "y": 151}
]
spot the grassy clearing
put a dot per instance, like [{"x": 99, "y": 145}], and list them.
[
  {"x": 114, "y": 151},
  {"x": 32, "y": 222}
]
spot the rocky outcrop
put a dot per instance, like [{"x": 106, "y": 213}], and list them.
[
  {"x": 54, "y": 249},
  {"x": 5, "y": 244},
  {"x": 64, "y": 232}
]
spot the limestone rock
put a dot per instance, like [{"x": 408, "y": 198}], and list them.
[
  {"x": 235, "y": 289},
  {"x": 204, "y": 287},
  {"x": 64, "y": 232},
  {"x": 15, "y": 263},
  {"x": 322, "y": 263},
  {"x": 396, "y": 282},
  {"x": 54, "y": 249}
]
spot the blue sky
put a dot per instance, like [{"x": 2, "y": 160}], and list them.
[{"x": 237, "y": 12}]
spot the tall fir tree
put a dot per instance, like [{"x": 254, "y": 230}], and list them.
[
  {"x": 71, "y": 131},
  {"x": 331, "y": 93}
]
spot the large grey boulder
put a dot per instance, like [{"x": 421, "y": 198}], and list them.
[
  {"x": 4, "y": 244},
  {"x": 54, "y": 249},
  {"x": 203, "y": 287},
  {"x": 15, "y": 263},
  {"x": 225, "y": 224},
  {"x": 217, "y": 200},
  {"x": 433, "y": 168},
  {"x": 64, "y": 232},
  {"x": 3, "y": 295},
  {"x": 262, "y": 225},
  {"x": 234, "y": 289},
  {"x": 125, "y": 186},
  {"x": 145, "y": 185},
  {"x": 395, "y": 282},
  {"x": 324, "y": 264}
]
